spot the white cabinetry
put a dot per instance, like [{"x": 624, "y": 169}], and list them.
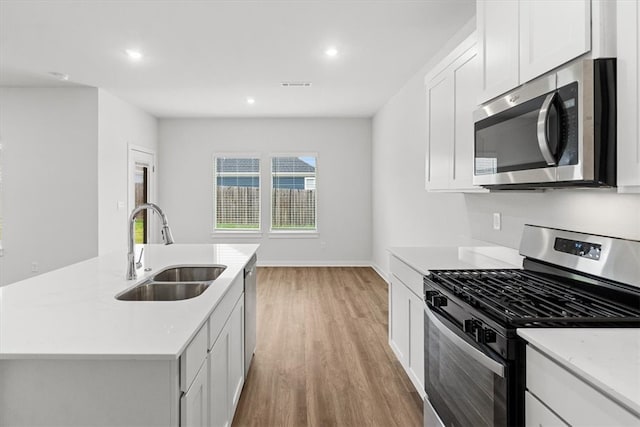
[
  {"x": 628, "y": 34},
  {"x": 406, "y": 320},
  {"x": 452, "y": 89},
  {"x": 194, "y": 403},
  {"x": 522, "y": 39},
  {"x": 552, "y": 33},
  {"x": 567, "y": 397},
  {"x": 226, "y": 362},
  {"x": 497, "y": 22},
  {"x": 538, "y": 415}
]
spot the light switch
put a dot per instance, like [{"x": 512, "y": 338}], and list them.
[{"x": 120, "y": 205}]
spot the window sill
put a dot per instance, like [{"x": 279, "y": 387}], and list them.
[
  {"x": 243, "y": 234},
  {"x": 273, "y": 234}
]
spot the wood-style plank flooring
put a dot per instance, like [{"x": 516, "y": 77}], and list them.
[{"x": 322, "y": 356}]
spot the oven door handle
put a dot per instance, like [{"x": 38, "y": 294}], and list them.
[
  {"x": 543, "y": 134},
  {"x": 468, "y": 349}
]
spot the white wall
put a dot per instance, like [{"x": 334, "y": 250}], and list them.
[
  {"x": 343, "y": 147},
  {"x": 50, "y": 144},
  {"x": 404, "y": 214},
  {"x": 592, "y": 211},
  {"x": 119, "y": 125}
]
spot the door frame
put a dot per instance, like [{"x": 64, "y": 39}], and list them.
[{"x": 146, "y": 156}]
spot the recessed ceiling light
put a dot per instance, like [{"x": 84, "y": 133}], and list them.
[
  {"x": 331, "y": 52},
  {"x": 134, "y": 55},
  {"x": 60, "y": 76},
  {"x": 251, "y": 101}
]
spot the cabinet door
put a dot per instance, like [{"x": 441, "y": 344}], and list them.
[
  {"x": 498, "y": 46},
  {"x": 219, "y": 381},
  {"x": 194, "y": 403},
  {"x": 466, "y": 76},
  {"x": 416, "y": 341},
  {"x": 538, "y": 415},
  {"x": 628, "y": 34},
  {"x": 399, "y": 319},
  {"x": 552, "y": 33},
  {"x": 236, "y": 355},
  {"x": 440, "y": 123}
]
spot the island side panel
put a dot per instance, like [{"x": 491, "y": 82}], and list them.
[{"x": 71, "y": 392}]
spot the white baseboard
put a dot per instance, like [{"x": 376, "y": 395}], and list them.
[
  {"x": 381, "y": 273},
  {"x": 268, "y": 263}
]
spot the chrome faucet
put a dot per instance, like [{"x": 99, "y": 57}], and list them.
[{"x": 167, "y": 237}]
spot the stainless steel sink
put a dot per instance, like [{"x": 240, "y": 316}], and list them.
[
  {"x": 154, "y": 291},
  {"x": 189, "y": 273},
  {"x": 174, "y": 283}
]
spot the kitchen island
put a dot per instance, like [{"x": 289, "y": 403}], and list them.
[{"x": 71, "y": 354}]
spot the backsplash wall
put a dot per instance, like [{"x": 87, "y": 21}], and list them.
[{"x": 593, "y": 211}]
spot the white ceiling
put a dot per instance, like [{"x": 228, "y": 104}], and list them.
[{"x": 204, "y": 58}]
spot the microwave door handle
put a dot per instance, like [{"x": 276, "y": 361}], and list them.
[
  {"x": 543, "y": 138},
  {"x": 464, "y": 346}
]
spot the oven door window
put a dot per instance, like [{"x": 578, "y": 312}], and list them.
[{"x": 465, "y": 386}]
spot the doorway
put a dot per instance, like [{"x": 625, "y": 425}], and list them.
[{"x": 141, "y": 190}]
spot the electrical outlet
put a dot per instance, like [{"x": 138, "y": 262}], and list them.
[
  {"x": 34, "y": 267},
  {"x": 323, "y": 245},
  {"x": 497, "y": 221}
]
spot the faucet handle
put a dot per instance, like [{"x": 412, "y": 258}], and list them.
[{"x": 139, "y": 263}]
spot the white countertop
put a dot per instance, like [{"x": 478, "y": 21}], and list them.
[
  {"x": 608, "y": 359},
  {"x": 72, "y": 312},
  {"x": 423, "y": 259}
]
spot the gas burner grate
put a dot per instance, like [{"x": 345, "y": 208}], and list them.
[{"x": 520, "y": 297}]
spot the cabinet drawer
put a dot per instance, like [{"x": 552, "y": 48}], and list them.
[
  {"x": 410, "y": 277},
  {"x": 193, "y": 358},
  {"x": 538, "y": 415},
  {"x": 570, "y": 397},
  {"x": 224, "y": 308}
]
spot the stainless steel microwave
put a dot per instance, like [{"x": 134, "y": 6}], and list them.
[{"x": 556, "y": 131}]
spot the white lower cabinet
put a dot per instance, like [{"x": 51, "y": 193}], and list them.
[
  {"x": 226, "y": 368},
  {"x": 538, "y": 415},
  {"x": 561, "y": 396},
  {"x": 406, "y": 321},
  {"x": 194, "y": 403}
]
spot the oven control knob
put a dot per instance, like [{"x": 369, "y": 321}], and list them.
[
  {"x": 428, "y": 295},
  {"x": 439, "y": 301},
  {"x": 469, "y": 326},
  {"x": 485, "y": 335}
]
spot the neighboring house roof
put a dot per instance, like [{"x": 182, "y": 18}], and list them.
[
  {"x": 280, "y": 164},
  {"x": 291, "y": 165},
  {"x": 236, "y": 165}
]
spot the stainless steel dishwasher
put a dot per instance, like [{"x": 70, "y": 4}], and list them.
[{"x": 250, "y": 299}]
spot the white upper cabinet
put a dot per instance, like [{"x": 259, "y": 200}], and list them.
[
  {"x": 497, "y": 22},
  {"x": 466, "y": 76},
  {"x": 523, "y": 39},
  {"x": 552, "y": 33},
  {"x": 452, "y": 91},
  {"x": 440, "y": 127},
  {"x": 628, "y": 94}
]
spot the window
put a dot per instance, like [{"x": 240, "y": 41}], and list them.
[
  {"x": 293, "y": 193},
  {"x": 237, "y": 193}
]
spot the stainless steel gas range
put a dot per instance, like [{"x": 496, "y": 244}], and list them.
[{"x": 474, "y": 361}]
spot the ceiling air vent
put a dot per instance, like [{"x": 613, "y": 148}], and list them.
[{"x": 295, "y": 84}]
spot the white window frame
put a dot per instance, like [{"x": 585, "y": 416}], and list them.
[
  {"x": 302, "y": 233},
  {"x": 237, "y": 232}
]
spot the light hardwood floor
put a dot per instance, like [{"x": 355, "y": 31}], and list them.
[{"x": 322, "y": 356}]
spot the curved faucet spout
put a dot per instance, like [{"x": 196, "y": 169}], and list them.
[{"x": 167, "y": 236}]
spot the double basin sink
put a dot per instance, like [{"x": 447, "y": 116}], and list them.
[{"x": 174, "y": 283}]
